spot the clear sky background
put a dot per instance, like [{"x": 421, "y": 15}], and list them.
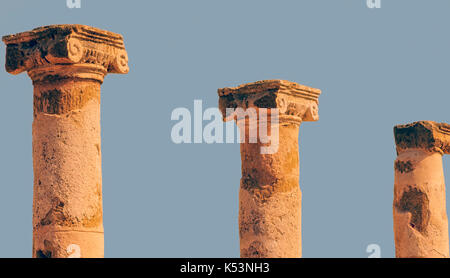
[{"x": 376, "y": 68}]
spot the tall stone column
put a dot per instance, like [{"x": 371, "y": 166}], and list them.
[
  {"x": 270, "y": 196},
  {"x": 67, "y": 64},
  {"x": 420, "y": 215}
]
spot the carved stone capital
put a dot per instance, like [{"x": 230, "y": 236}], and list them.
[
  {"x": 296, "y": 103},
  {"x": 66, "y": 51},
  {"x": 427, "y": 135}
]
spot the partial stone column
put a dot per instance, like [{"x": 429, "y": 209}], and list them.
[
  {"x": 270, "y": 196},
  {"x": 420, "y": 215},
  {"x": 67, "y": 64}
]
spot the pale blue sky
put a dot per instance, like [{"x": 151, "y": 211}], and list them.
[{"x": 376, "y": 68}]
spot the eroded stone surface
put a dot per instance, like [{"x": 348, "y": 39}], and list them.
[
  {"x": 295, "y": 102},
  {"x": 270, "y": 196},
  {"x": 67, "y": 64},
  {"x": 419, "y": 207},
  {"x": 425, "y": 135},
  {"x": 55, "y": 52}
]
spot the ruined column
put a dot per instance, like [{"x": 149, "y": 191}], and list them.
[
  {"x": 67, "y": 64},
  {"x": 270, "y": 196},
  {"x": 420, "y": 215}
]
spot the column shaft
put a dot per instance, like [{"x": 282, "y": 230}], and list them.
[
  {"x": 420, "y": 215},
  {"x": 67, "y": 203},
  {"x": 419, "y": 206},
  {"x": 270, "y": 198}
]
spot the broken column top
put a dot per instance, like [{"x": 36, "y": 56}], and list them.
[
  {"x": 70, "y": 50},
  {"x": 296, "y": 103},
  {"x": 427, "y": 135}
]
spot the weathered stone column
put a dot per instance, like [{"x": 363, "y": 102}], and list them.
[
  {"x": 270, "y": 196},
  {"x": 420, "y": 216},
  {"x": 67, "y": 64}
]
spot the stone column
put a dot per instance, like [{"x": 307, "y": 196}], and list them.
[
  {"x": 420, "y": 216},
  {"x": 67, "y": 64},
  {"x": 270, "y": 196}
]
